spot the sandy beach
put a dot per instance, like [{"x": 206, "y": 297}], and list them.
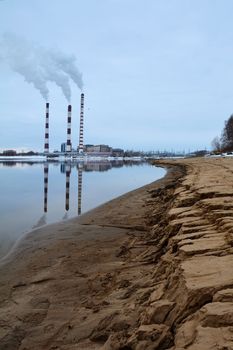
[{"x": 152, "y": 269}]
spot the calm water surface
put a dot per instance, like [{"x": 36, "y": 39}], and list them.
[{"x": 35, "y": 194}]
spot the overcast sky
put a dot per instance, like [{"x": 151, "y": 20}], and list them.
[{"x": 158, "y": 74}]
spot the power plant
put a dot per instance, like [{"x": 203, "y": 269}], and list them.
[{"x": 67, "y": 149}]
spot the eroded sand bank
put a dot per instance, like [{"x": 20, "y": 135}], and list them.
[{"x": 152, "y": 269}]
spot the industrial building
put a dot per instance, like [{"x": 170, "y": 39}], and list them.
[
  {"x": 66, "y": 147},
  {"x": 98, "y": 149},
  {"x": 103, "y": 150}
]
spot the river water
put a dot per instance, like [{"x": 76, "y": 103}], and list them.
[{"x": 33, "y": 194}]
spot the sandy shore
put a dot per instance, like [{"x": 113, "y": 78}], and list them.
[{"x": 152, "y": 269}]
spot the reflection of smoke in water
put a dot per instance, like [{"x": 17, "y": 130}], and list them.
[
  {"x": 41, "y": 222},
  {"x": 66, "y": 216}
]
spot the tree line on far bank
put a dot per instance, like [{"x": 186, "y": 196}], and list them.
[
  {"x": 224, "y": 143},
  {"x": 12, "y": 152}
]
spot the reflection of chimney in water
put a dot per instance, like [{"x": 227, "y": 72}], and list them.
[
  {"x": 80, "y": 179},
  {"x": 63, "y": 168},
  {"x": 68, "y": 171},
  {"x": 46, "y": 177}
]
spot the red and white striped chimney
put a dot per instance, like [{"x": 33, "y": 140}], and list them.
[
  {"x": 68, "y": 143},
  {"x": 81, "y": 124},
  {"x": 46, "y": 143}
]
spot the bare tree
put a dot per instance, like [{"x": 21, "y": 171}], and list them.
[
  {"x": 216, "y": 144},
  {"x": 227, "y": 135}
]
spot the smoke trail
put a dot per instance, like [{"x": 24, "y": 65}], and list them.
[
  {"x": 67, "y": 65},
  {"x": 39, "y": 65}
]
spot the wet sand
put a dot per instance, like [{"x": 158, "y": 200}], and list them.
[{"x": 152, "y": 269}]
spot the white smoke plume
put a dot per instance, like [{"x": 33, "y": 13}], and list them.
[{"x": 39, "y": 65}]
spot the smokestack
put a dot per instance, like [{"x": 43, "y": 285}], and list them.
[
  {"x": 46, "y": 143},
  {"x": 68, "y": 143},
  {"x": 81, "y": 124}
]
